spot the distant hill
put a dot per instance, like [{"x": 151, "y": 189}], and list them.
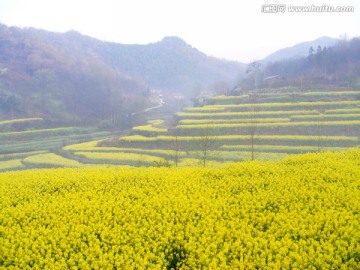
[
  {"x": 72, "y": 76},
  {"x": 300, "y": 50},
  {"x": 170, "y": 64}
]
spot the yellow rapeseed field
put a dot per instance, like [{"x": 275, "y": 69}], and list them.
[
  {"x": 299, "y": 213},
  {"x": 51, "y": 159}
]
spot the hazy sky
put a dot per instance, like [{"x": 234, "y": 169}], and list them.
[{"x": 230, "y": 29}]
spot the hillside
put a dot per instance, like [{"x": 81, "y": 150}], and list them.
[
  {"x": 48, "y": 75},
  {"x": 69, "y": 76}
]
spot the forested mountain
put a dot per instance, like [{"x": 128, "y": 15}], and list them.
[
  {"x": 337, "y": 65},
  {"x": 70, "y": 76}
]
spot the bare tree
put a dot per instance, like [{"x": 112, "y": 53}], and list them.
[
  {"x": 252, "y": 126},
  {"x": 205, "y": 143},
  {"x": 176, "y": 146},
  {"x": 45, "y": 81},
  {"x": 319, "y": 130},
  {"x": 254, "y": 69}
]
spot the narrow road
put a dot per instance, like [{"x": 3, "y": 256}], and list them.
[{"x": 149, "y": 109}]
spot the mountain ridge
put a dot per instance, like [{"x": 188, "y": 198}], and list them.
[{"x": 299, "y": 49}]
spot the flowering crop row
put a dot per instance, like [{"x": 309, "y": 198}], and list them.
[
  {"x": 274, "y": 124},
  {"x": 315, "y": 128},
  {"x": 20, "y": 155},
  {"x": 271, "y": 97},
  {"x": 165, "y": 153},
  {"x": 120, "y": 158},
  {"x": 260, "y": 139},
  {"x": 353, "y": 94},
  {"x": 278, "y": 148},
  {"x": 39, "y": 132},
  {"x": 156, "y": 122},
  {"x": 82, "y": 146},
  {"x": 51, "y": 159},
  {"x": 11, "y": 164},
  {"x": 22, "y": 120},
  {"x": 345, "y": 111},
  {"x": 231, "y": 115},
  {"x": 151, "y": 128},
  {"x": 234, "y": 120},
  {"x": 275, "y": 106},
  {"x": 222, "y": 97},
  {"x": 244, "y": 155},
  {"x": 326, "y": 117}
]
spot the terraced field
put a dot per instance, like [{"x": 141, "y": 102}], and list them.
[
  {"x": 266, "y": 125},
  {"x": 25, "y": 143}
]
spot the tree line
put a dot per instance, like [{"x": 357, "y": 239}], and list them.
[{"x": 338, "y": 65}]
